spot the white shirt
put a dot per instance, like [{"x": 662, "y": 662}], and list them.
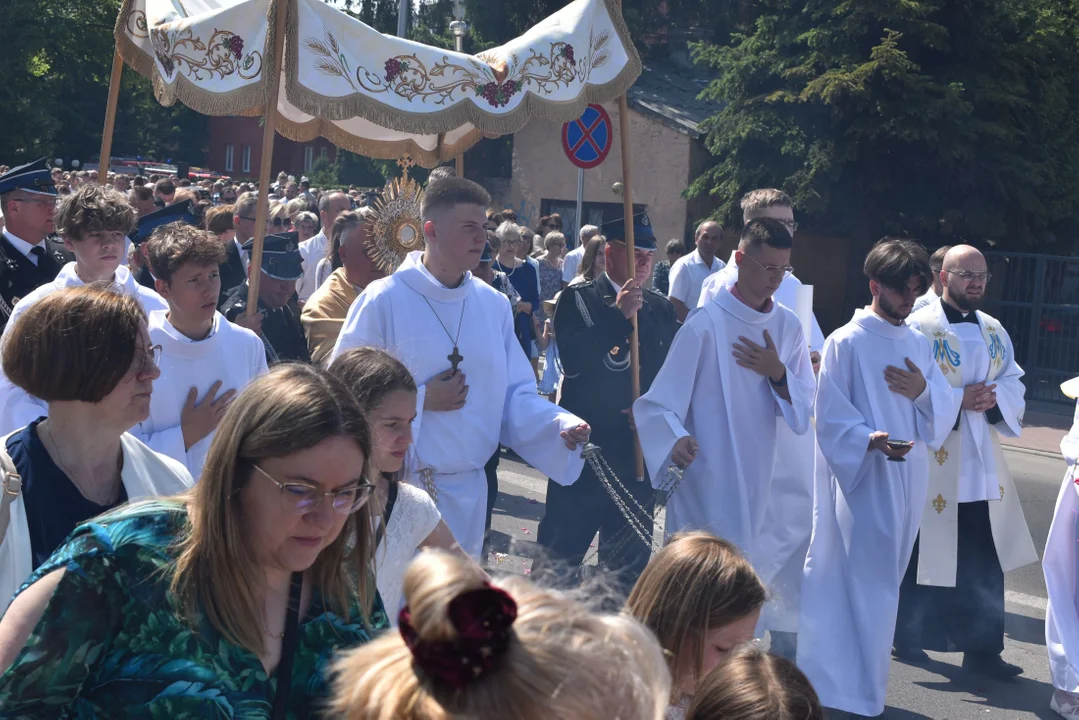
[
  {"x": 413, "y": 519},
  {"x": 232, "y": 354},
  {"x": 570, "y": 263},
  {"x": 688, "y": 275},
  {"x": 311, "y": 250},
  {"x": 22, "y": 246},
  {"x": 243, "y": 253}
]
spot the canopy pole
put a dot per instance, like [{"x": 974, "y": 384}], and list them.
[
  {"x": 262, "y": 210},
  {"x": 105, "y": 157},
  {"x": 460, "y": 165},
  {"x": 631, "y": 264}
]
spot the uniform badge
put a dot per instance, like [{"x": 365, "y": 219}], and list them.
[
  {"x": 15, "y": 301},
  {"x": 645, "y": 221},
  {"x": 289, "y": 247},
  {"x": 616, "y": 349}
]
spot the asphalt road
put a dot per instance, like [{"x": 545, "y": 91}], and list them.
[{"x": 940, "y": 690}]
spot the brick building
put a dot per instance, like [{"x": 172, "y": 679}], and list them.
[{"x": 236, "y": 143}]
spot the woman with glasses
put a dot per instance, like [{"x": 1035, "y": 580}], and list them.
[
  {"x": 407, "y": 517},
  {"x": 87, "y": 353},
  {"x": 279, "y": 221},
  {"x": 94, "y": 223},
  {"x": 228, "y": 600}
]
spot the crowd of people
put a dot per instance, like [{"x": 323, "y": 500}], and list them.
[{"x": 284, "y": 510}]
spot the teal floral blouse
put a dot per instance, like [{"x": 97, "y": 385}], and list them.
[{"x": 110, "y": 645}]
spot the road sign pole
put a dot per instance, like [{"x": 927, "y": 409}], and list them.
[{"x": 580, "y": 205}]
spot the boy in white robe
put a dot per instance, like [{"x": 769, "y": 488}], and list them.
[
  {"x": 788, "y": 523},
  {"x": 205, "y": 360},
  {"x": 732, "y": 369},
  {"x": 94, "y": 221},
  {"x": 973, "y": 528},
  {"x": 878, "y": 384},
  {"x": 450, "y": 329},
  {"x": 1061, "y": 565}
]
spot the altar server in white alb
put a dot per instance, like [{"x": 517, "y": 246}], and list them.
[
  {"x": 732, "y": 369},
  {"x": 1061, "y": 565},
  {"x": 774, "y": 204},
  {"x": 878, "y": 386},
  {"x": 455, "y": 335},
  {"x": 788, "y": 523},
  {"x": 94, "y": 222},
  {"x": 973, "y": 528},
  {"x": 205, "y": 359}
]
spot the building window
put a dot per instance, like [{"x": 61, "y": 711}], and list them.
[
  {"x": 230, "y": 152},
  {"x": 308, "y": 158},
  {"x": 246, "y": 158},
  {"x": 324, "y": 152}
]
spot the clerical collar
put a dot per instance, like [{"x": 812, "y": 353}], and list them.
[{"x": 956, "y": 316}]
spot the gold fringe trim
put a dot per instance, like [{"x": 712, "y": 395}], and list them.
[
  {"x": 466, "y": 111},
  {"x": 251, "y": 100},
  {"x": 377, "y": 149},
  {"x": 236, "y": 102}
]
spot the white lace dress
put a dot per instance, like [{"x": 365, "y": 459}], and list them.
[{"x": 413, "y": 518}]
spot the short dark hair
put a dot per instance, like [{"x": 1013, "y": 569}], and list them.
[
  {"x": 143, "y": 193},
  {"x": 894, "y": 261},
  {"x": 765, "y": 231},
  {"x": 450, "y": 192},
  {"x": 753, "y": 684},
  {"x": 441, "y": 173},
  {"x": 372, "y": 374},
  {"x": 75, "y": 344},
  {"x": 93, "y": 208},
  {"x": 936, "y": 260},
  {"x": 219, "y": 219},
  {"x": 165, "y": 186},
  {"x": 174, "y": 245},
  {"x": 139, "y": 181},
  {"x": 675, "y": 247}
]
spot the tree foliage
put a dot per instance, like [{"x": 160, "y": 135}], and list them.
[
  {"x": 939, "y": 119},
  {"x": 55, "y": 88}
]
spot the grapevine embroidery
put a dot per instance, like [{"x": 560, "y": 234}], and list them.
[
  {"x": 484, "y": 76},
  {"x": 223, "y": 54}
]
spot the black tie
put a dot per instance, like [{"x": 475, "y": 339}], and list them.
[{"x": 38, "y": 252}]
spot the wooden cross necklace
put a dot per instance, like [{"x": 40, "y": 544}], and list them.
[{"x": 455, "y": 357}]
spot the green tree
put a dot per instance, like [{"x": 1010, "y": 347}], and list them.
[
  {"x": 938, "y": 119},
  {"x": 52, "y": 99}
]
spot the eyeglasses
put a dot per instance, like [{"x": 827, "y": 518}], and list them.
[
  {"x": 300, "y": 498},
  {"x": 786, "y": 270},
  {"x": 280, "y": 222},
  {"x": 968, "y": 276},
  {"x": 38, "y": 201},
  {"x": 791, "y": 225},
  {"x": 145, "y": 359},
  {"x": 244, "y": 217}
]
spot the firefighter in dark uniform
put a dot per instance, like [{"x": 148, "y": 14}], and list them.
[
  {"x": 177, "y": 212},
  {"x": 592, "y": 328},
  {"x": 27, "y": 261},
  {"x": 280, "y": 329}
]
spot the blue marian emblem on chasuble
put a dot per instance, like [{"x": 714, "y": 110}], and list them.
[
  {"x": 947, "y": 358},
  {"x": 997, "y": 350}
]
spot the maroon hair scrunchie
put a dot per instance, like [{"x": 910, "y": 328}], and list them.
[{"x": 482, "y": 618}]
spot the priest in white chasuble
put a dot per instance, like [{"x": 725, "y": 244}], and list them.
[
  {"x": 1061, "y": 565},
  {"x": 455, "y": 335},
  {"x": 733, "y": 368},
  {"x": 973, "y": 528},
  {"x": 205, "y": 360},
  {"x": 882, "y": 401}
]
